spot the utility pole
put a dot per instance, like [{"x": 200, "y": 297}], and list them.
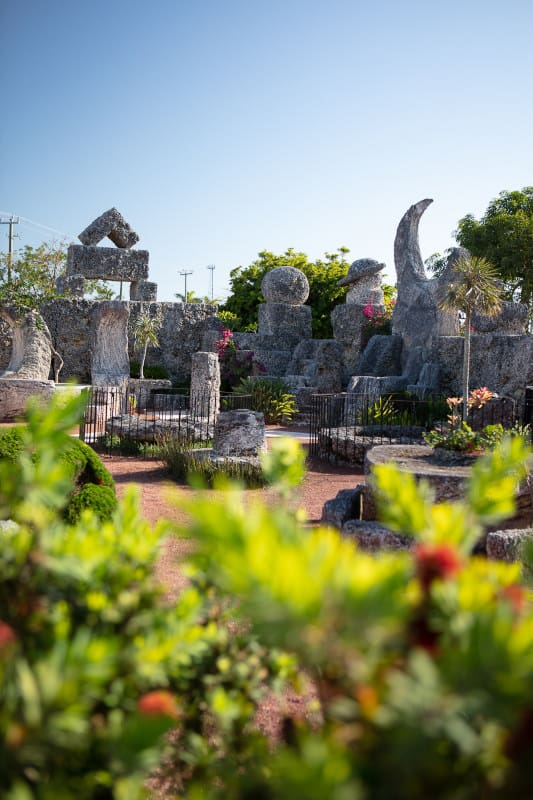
[
  {"x": 184, "y": 273},
  {"x": 11, "y": 221},
  {"x": 211, "y": 267}
]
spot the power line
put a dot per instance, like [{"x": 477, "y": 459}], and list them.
[{"x": 39, "y": 225}]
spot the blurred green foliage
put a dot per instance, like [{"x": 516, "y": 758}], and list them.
[
  {"x": 422, "y": 661},
  {"x": 97, "y": 660}
]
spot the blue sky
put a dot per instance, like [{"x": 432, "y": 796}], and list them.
[{"x": 223, "y": 127}]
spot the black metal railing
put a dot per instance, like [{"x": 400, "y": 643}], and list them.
[
  {"x": 126, "y": 421},
  {"x": 344, "y": 426}
]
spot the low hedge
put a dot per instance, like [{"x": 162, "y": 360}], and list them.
[
  {"x": 100, "y": 499},
  {"x": 87, "y": 471}
]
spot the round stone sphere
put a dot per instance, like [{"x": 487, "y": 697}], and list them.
[{"x": 285, "y": 285}]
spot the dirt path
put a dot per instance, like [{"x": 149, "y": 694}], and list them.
[{"x": 321, "y": 483}]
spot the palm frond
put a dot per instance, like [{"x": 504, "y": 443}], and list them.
[{"x": 475, "y": 288}]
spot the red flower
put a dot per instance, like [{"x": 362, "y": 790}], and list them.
[
  {"x": 436, "y": 561},
  {"x": 8, "y": 636},
  {"x": 159, "y": 703},
  {"x": 515, "y": 595}
]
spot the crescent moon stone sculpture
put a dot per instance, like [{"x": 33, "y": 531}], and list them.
[{"x": 417, "y": 317}]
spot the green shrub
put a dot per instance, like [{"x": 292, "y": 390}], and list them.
[
  {"x": 100, "y": 499},
  {"x": 230, "y": 321},
  {"x": 151, "y": 371},
  {"x": 96, "y": 661},
  {"x": 403, "y": 408},
  {"x": 82, "y": 464},
  {"x": 271, "y": 396},
  {"x": 10, "y": 443},
  {"x": 94, "y": 471},
  {"x": 422, "y": 661}
]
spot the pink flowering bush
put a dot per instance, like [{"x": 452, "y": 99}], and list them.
[
  {"x": 235, "y": 364},
  {"x": 378, "y": 321}
]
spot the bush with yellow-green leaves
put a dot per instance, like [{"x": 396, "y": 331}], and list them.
[
  {"x": 95, "y": 662},
  {"x": 423, "y": 661}
]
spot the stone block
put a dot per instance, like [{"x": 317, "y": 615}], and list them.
[
  {"x": 6, "y": 343},
  {"x": 348, "y": 322},
  {"x": 143, "y": 291},
  {"x": 14, "y": 395},
  {"x": 497, "y": 361},
  {"x": 328, "y": 366},
  {"x": 247, "y": 340},
  {"x": 275, "y": 362},
  {"x": 374, "y": 537},
  {"x": 133, "y": 426},
  {"x": 107, "y": 263},
  {"x": 287, "y": 324},
  {"x": 512, "y": 320},
  {"x": 205, "y": 385},
  {"x": 343, "y": 507},
  {"x": 381, "y": 357},
  {"x": 110, "y": 363},
  {"x": 73, "y": 285},
  {"x": 113, "y": 225},
  {"x": 366, "y": 290},
  {"x": 508, "y": 545},
  {"x": 144, "y": 390},
  {"x": 239, "y": 433}
]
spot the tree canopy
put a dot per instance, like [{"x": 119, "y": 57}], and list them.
[
  {"x": 34, "y": 273},
  {"x": 504, "y": 236},
  {"x": 322, "y": 274}
]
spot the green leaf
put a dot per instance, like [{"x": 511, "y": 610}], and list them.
[
  {"x": 495, "y": 478},
  {"x": 284, "y": 464},
  {"x": 403, "y": 505}
]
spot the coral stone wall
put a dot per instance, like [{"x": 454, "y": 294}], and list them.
[
  {"x": 500, "y": 362},
  {"x": 183, "y": 328},
  {"x": 6, "y": 339}
]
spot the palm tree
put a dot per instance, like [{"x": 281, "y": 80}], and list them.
[
  {"x": 475, "y": 288},
  {"x": 191, "y": 298},
  {"x": 145, "y": 332}
]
